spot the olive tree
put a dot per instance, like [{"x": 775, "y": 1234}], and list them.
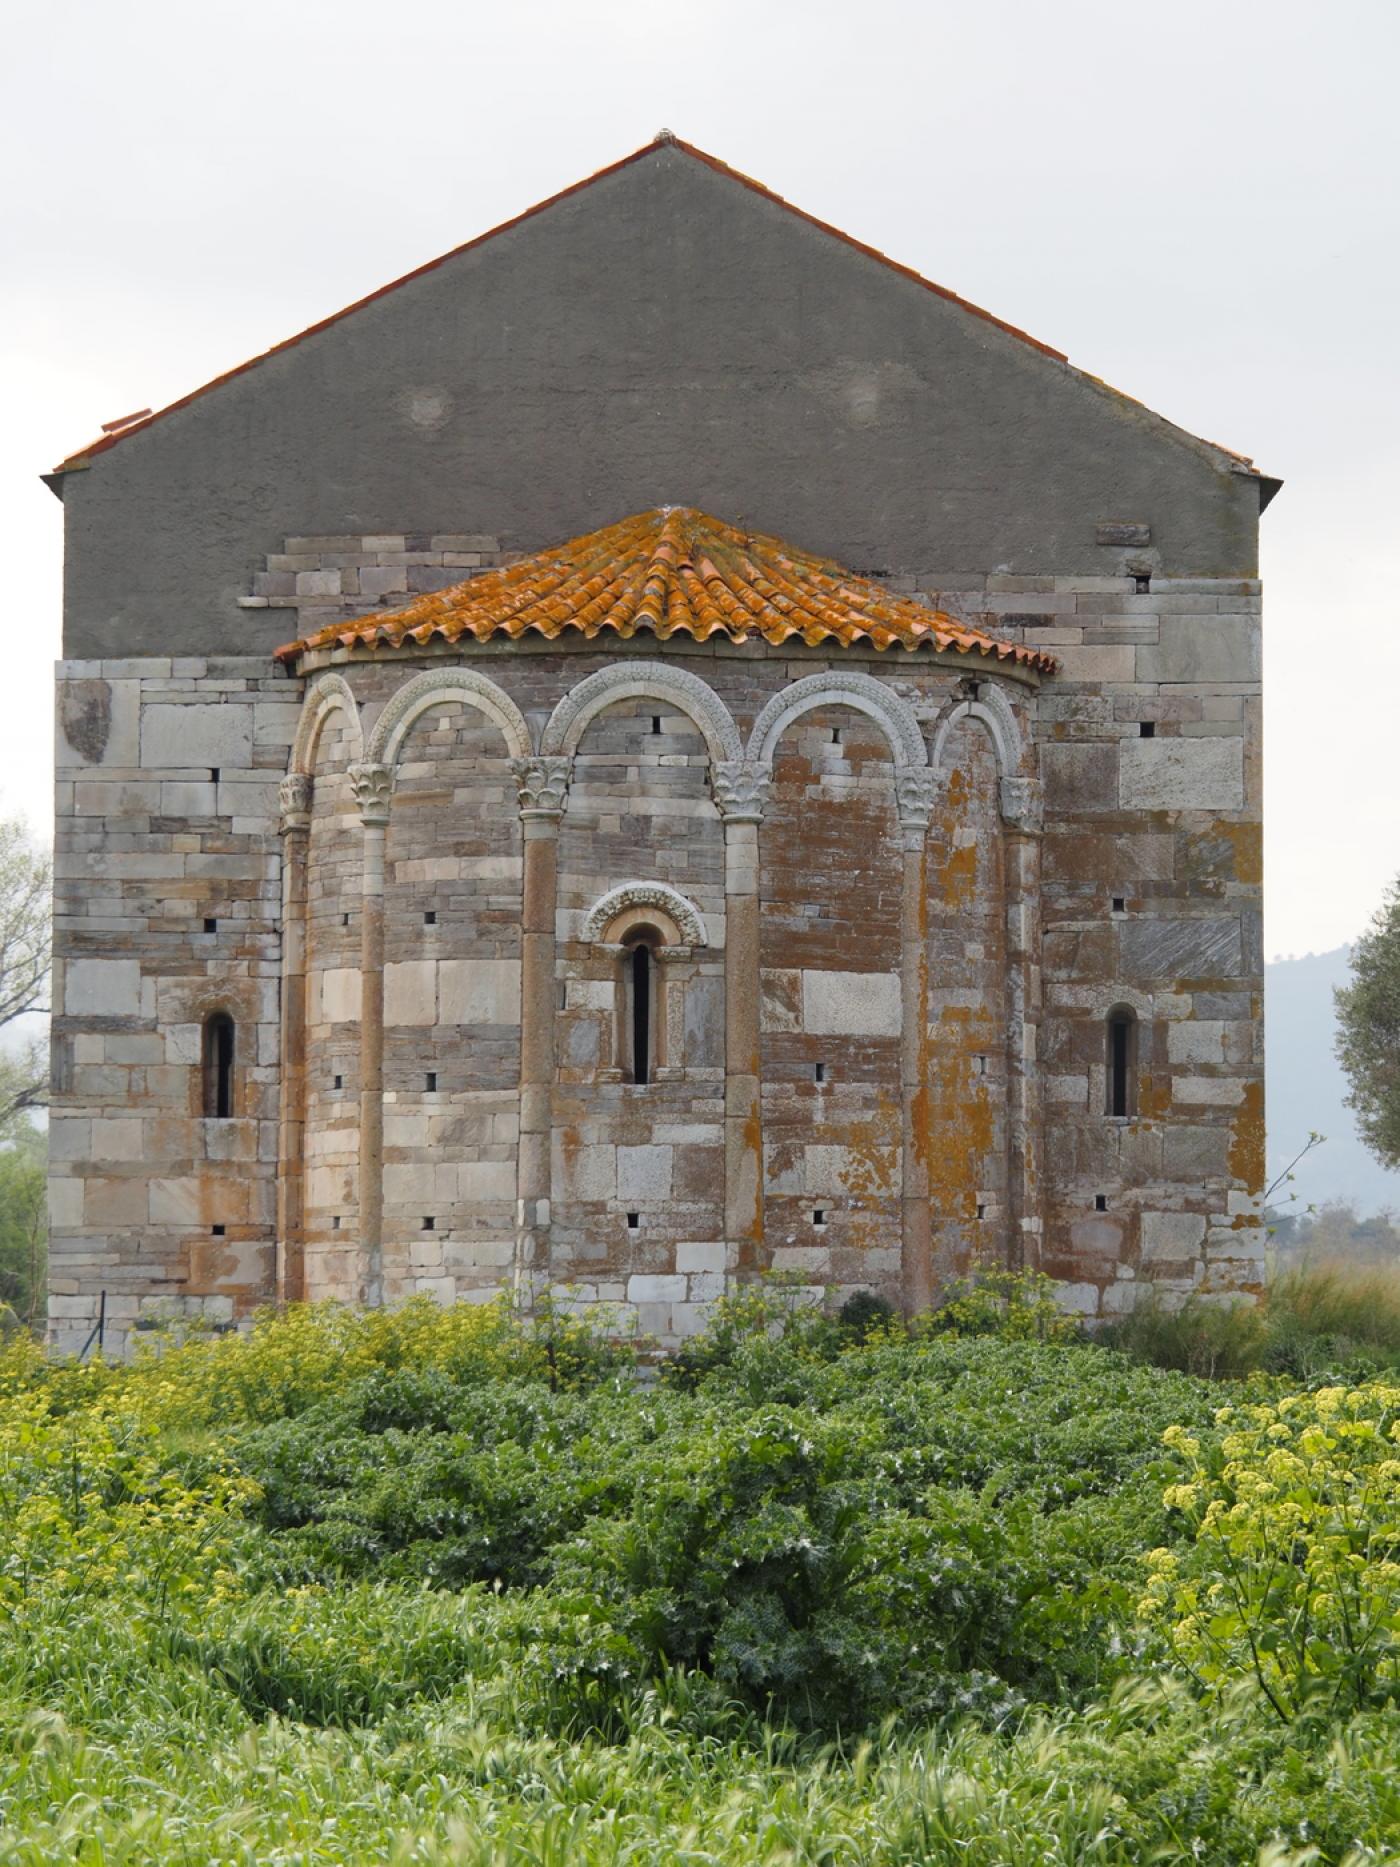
[{"x": 1368, "y": 1031}]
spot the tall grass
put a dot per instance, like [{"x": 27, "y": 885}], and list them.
[{"x": 1329, "y": 1318}]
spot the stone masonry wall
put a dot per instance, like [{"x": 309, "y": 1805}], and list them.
[
  {"x": 1148, "y": 745},
  {"x": 166, "y": 908}
]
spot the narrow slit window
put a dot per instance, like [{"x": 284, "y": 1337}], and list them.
[
  {"x": 656, "y": 722},
  {"x": 641, "y": 963},
  {"x": 430, "y": 1081},
  {"x": 1101, "y": 1202},
  {"x": 819, "y": 1072},
  {"x": 634, "y": 1221},
  {"x": 1121, "y": 1061},
  {"x": 430, "y": 918},
  {"x": 819, "y": 1216},
  {"x": 1147, "y": 729},
  {"x": 1142, "y": 584},
  {"x": 211, "y": 924},
  {"x": 218, "y": 1066}
]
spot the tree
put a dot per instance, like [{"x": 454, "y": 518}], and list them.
[
  {"x": 23, "y": 1225},
  {"x": 25, "y": 930},
  {"x": 1368, "y": 1031}
]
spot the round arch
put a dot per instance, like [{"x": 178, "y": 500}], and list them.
[
  {"x": 668, "y": 901},
  {"x": 895, "y": 717},
  {"x": 995, "y": 713},
  {"x": 650, "y": 680},
  {"x": 331, "y": 693},
  {"x": 439, "y": 687}
]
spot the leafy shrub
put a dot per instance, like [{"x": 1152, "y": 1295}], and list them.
[
  {"x": 1295, "y": 1574},
  {"x": 1211, "y": 1340}
]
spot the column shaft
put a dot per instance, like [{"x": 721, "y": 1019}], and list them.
[
  {"x": 743, "y": 1135},
  {"x": 537, "y": 1002},
  {"x": 291, "y": 1127},
  {"x": 916, "y": 1236},
  {"x": 372, "y": 1068},
  {"x": 1024, "y": 1107}
]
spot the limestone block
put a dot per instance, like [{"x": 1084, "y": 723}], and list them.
[
  {"x": 653, "y": 1319},
  {"x": 479, "y": 991},
  {"x": 589, "y": 995},
  {"x": 706, "y": 1286},
  {"x": 104, "y": 988},
  {"x": 1100, "y": 1237},
  {"x": 664, "y": 1289},
  {"x": 410, "y": 992},
  {"x": 1098, "y": 664},
  {"x": 701, "y": 1257},
  {"x": 177, "y": 1202},
  {"x": 1078, "y": 1299},
  {"x": 688, "y": 1319},
  {"x": 830, "y": 1169},
  {"x": 1181, "y": 774},
  {"x": 644, "y": 1173},
  {"x": 109, "y": 1203},
  {"x": 1196, "y": 1041},
  {"x": 338, "y": 989},
  {"x": 586, "y": 1171},
  {"x": 780, "y": 1005},
  {"x": 98, "y": 723},
  {"x": 184, "y": 1043},
  {"x": 1204, "y": 649},
  {"x": 1195, "y": 1154},
  {"x": 410, "y": 1183},
  {"x": 65, "y": 1203},
  {"x": 1121, "y": 1299},
  {"x": 1172, "y": 1235},
  {"x": 851, "y": 1004},
  {"x": 1212, "y": 1091},
  {"x": 1180, "y": 949},
  {"x": 199, "y": 734},
  {"x": 484, "y": 1181},
  {"x": 70, "y": 1138},
  {"x": 1080, "y": 777},
  {"x": 117, "y": 1139}
]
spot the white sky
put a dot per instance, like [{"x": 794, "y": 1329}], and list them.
[{"x": 1198, "y": 202}]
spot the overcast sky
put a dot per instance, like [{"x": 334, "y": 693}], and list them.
[{"x": 1197, "y": 202}]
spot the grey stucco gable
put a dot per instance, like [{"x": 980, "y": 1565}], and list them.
[{"x": 665, "y": 334}]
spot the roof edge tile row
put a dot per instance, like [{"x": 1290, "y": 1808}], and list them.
[{"x": 670, "y": 571}]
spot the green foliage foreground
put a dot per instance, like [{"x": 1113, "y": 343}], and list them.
[{"x": 440, "y": 1587}]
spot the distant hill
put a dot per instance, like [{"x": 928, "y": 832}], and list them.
[{"x": 1306, "y": 1088}]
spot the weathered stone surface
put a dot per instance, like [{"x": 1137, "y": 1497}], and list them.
[
  {"x": 850, "y": 1004},
  {"x": 1182, "y": 774}
]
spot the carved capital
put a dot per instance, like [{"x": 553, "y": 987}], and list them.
[
  {"x": 294, "y": 799},
  {"x": 740, "y": 788},
  {"x": 1022, "y": 805},
  {"x": 372, "y": 785},
  {"x": 543, "y": 783},
  {"x": 914, "y": 790}
]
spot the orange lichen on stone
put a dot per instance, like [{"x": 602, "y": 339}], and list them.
[
  {"x": 1247, "y": 1138},
  {"x": 671, "y": 571}
]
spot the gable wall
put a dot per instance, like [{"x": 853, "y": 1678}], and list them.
[{"x": 663, "y": 336}]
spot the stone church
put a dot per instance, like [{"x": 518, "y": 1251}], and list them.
[{"x": 661, "y": 746}]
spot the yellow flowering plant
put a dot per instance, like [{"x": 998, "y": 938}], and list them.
[{"x": 1294, "y": 1574}]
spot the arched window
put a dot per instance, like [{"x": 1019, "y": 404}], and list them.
[
  {"x": 1120, "y": 1061},
  {"x": 639, "y": 967},
  {"x": 218, "y": 1066}
]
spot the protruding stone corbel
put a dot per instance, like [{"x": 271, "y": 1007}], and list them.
[
  {"x": 372, "y": 786},
  {"x": 740, "y": 787},
  {"x": 543, "y": 783},
  {"x": 1022, "y": 805},
  {"x": 294, "y": 799},
  {"x": 915, "y": 789}
]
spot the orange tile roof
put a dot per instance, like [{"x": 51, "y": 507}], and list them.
[{"x": 671, "y": 571}]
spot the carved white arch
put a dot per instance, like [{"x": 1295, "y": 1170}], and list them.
[
  {"x": 439, "y": 687},
  {"x": 651, "y": 680},
  {"x": 669, "y": 901},
  {"x": 329, "y": 694},
  {"x": 996, "y": 713},
  {"x": 845, "y": 688}
]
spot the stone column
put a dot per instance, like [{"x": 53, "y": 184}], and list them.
[
  {"x": 544, "y": 787},
  {"x": 295, "y": 799},
  {"x": 1023, "y": 816},
  {"x": 914, "y": 794},
  {"x": 740, "y": 788},
  {"x": 372, "y": 785}
]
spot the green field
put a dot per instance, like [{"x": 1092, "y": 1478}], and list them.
[{"x": 444, "y": 1587}]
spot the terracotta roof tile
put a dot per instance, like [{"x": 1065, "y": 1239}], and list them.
[{"x": 671, "y": 571}]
